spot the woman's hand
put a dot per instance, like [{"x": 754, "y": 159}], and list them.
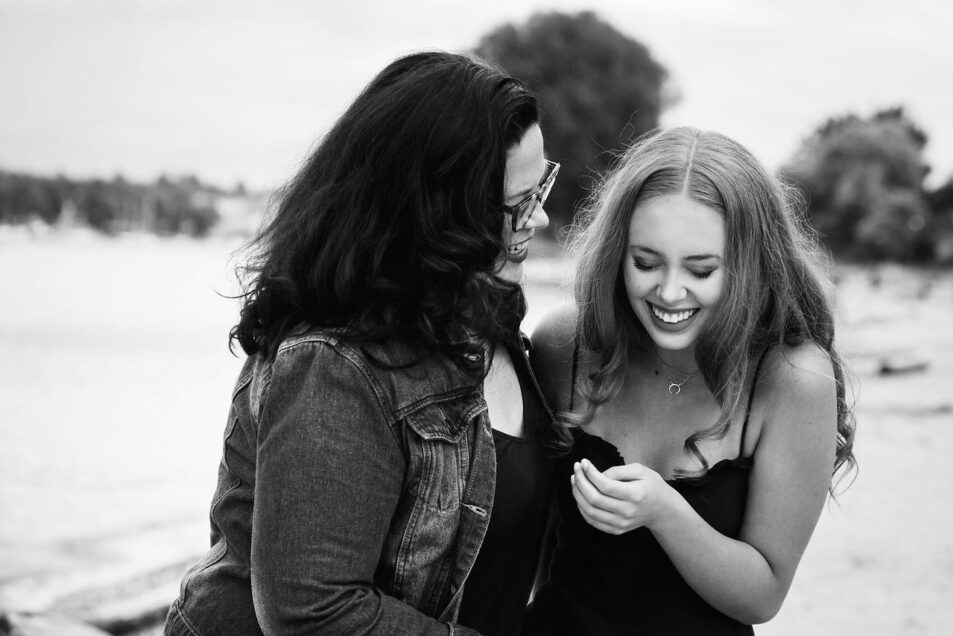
[{"x": 622, "y": 498}]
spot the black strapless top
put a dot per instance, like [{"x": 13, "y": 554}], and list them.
[{"x": 605, "y": 584}]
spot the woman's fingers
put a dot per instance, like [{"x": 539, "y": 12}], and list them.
[
  {"x": 595, "y": 517},
  {"x": 591, "y": 493},
  {"x": 620, "y": 499},
  {"x": 611, "y": 486},
  {"x": 628, "y": 472}
]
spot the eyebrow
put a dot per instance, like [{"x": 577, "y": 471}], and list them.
[
  {"x": 692, "y": 257},
  {"x": 525, "y": 192}
]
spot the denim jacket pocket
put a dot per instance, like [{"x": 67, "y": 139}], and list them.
[
  {"x": 445, "y": 420},
  {"x": 442, "y": 447},
  {"x": 438, "y": 441}
]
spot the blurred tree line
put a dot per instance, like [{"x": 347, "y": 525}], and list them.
[
  {"x": 182, "y": 205},
  {"x": 861, "y": 178}
]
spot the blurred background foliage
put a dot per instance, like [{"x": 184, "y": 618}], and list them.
[
  {"x": 863, "y": 181},
  {"x": 862, "y": 177},
  {"x": 598, "y": 90}
]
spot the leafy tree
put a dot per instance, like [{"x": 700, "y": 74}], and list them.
[
  {"x": 598, "y": 89},
  {"x": 863, "y": 180},
  {"x": 893, "y": 228}
]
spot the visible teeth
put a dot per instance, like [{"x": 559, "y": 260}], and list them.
[{"x": 672, "y": 318}]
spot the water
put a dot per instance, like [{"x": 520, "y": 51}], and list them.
[{"x": 114, "y": 387}]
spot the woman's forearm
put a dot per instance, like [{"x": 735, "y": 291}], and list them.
[{"x": 729, "y": 574}]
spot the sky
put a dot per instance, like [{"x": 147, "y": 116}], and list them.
[{"x": 237, "y": 90}]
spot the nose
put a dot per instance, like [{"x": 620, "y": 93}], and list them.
[
  {"x": 538, "y": 220},
  {"x": 670, "y": 290}
]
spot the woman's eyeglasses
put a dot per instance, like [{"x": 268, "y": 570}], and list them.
[{"x": 522, "y": 211}]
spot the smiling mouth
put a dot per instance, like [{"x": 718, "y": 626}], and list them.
[
  {"x": 517, "y": 248},
  {"x": 672, "y": 317}
]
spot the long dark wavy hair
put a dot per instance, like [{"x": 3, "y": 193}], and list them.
[
  {"x": 393, "y": 227},
  {"x": 776, "y": 291}
]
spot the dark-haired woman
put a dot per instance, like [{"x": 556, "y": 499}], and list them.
[
  {"x": 698, "y": 377},
  {"x": 382, "y": 470}
]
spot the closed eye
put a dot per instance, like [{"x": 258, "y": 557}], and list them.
[{"x": 703, "y": 274}]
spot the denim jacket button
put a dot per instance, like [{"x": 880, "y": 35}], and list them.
[{"x": 481, "y": 512}]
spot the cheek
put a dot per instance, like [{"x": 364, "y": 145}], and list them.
[
  {"x": 711, "y": 293},
  {"x": 637, "y": 284},
  {"x": 507, "y": 234}
]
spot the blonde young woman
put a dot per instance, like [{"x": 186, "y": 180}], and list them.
[{"x": 698, "y": 381}]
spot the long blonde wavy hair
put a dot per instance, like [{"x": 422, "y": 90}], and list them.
[{"x": 777, "y": 291}]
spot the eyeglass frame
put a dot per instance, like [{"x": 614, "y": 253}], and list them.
[{"x": 540, "y": 194}]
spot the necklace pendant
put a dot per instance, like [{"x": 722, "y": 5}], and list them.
[{"x": 674, "y": 389}]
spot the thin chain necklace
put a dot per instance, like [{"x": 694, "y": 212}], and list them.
[{"x": 675, "y": 387}]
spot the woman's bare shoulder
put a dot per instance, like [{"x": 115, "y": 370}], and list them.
[
  {"x": 797, "y": 392},
  {"x": 798, "y": 372}
]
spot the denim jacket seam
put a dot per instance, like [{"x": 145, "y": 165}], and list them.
[
  {"x": 333, "y": 345},
  {"x": 395, "y": 418},
  {"x": 356, "y": 360},
  {"x": 246, "y": 377},
  {"x": 314, "y": 338},
  {"x": 225, "y": 493},
  {"x": 407, "y": 535},
  {"x": 392, "y": 413},
  {"x": 185, "y": 620},
  {"x": 435, "y": 398},
  {"x": 258, "y": 404},
  {"x": 399, "y": 412},
  {"x": 396, "y": 414},
  {"x": 443, "y": 574},
  {"x": 229, "y": 431}
]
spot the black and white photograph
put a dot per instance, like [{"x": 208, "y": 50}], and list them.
[{"x": 476, "y": 318}]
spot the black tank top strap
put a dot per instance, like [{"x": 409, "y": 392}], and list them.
[
  {"x": 575, "y": 365},
  {"x": 754, "y": 382}
]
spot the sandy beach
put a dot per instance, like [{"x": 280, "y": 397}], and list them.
[{"x": 114, "y": 385}]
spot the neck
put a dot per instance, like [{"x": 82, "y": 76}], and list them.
[{"x": 681, "y": 362}]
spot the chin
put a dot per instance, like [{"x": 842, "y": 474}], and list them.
[
  {"x": 671, "y": 341},
  {"x": 512, "y": 272}
]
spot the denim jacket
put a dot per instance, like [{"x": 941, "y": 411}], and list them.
[{"x": 352, "y": 496}]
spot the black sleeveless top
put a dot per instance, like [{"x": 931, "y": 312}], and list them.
[
  {"x": 606, "y": 584},
  {"x": 498, "y": 587}
]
